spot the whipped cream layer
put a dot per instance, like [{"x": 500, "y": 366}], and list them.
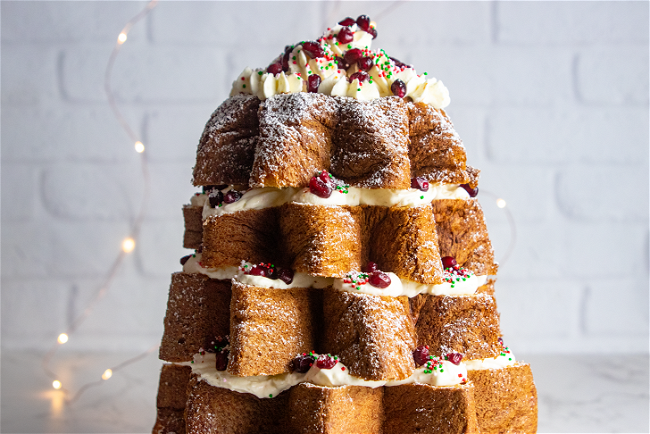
[
  {"x": 300, "y": 280},
  {"x": 356, "y": 283},
  {"x": 503, "y": 360},
  {"x": 335, "y": 80},
  {"x": 269, "y": 386},
  {"x": 267, "y": 197},
  {"x": 193, "y": 266}
]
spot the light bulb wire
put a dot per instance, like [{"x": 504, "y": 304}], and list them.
[{"x": 135, "y": 227}]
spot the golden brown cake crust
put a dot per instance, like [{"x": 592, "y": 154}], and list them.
[
  {"x": 436, "y": 151},
  {"x": 462, "y": 324},
  {"x": 269, "y": 328},
  {"x": 227, "y": 145},
  {"x": 473, "y": 174},
  {"x": 329, "y": 410},
  {"x": 172, "y": 388},
  {"x": 371, "y": 143},
  {"x": 169, "y": 421},
  {"x": 462, "y": 233},
  {"x": 215, "y": 410},
  {"x": 373, "y": 335},
  {"x": 197, "y": 310},
  {"x": 295, "y": 139},
  {"x": 322, "y": 240},
  {"x": 506, "y": 399},
  {"x": 421, "y": 408},
  {"x": 403, "y": 240},
  {"x": 193, "y": 217},
  {"x": 251, "y": 235}
]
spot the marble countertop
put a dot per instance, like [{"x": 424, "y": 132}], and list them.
[{"x": 579, "y": 393}]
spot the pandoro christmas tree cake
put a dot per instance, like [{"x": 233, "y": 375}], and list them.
[{"x": 342, "y": 279}]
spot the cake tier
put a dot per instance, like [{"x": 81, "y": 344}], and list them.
[
  {"x": 373, "y": 335},
  {"x": 284, "y": 140},
  {"x": 334, "y": 240}
]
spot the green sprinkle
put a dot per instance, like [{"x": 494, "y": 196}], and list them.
[
  {"x": 243, "y": 86},
  {"x": 442, "y": 370},
  {"x": 192, "y": 361},
  {"x": 349, "y": 46},
  {"x": 421, "y": 197},
  {"x": 259, "y": 72},
  {"x": 359, "y": 89},
  {"x": 271, "y": 395},
  {"x": 425, "y": 73},
  {"x": 370, "y": 81}
]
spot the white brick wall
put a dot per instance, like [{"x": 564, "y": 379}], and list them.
[{"x": 551, "y": 99}]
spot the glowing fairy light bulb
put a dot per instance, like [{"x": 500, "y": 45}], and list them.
[
  {"x": 121, "y": 38},
  {"x": 56, "y": 384},
  {"x": 139, "y": 147},
  {"x": 63, "y": 338},
  {"x": 501, "y": 203},
  {"x": 107, "y": 374},
  {"x": 128, "y": 245}
]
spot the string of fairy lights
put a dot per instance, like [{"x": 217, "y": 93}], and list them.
[{"x": 129, "y": 243}]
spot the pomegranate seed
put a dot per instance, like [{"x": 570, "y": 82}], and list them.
[
  {"x": 370, "y": 267},
  {"x": 420, "y": 183},
  {"x": 222, "y": 360},
  {"x": 501, "y": 340},
  {"x": 256, "y": 270},
  {"x": 472, "y": 191},
  {"x": 363, "y": 21},
  {"x": 342, "y": 63},
  {"x": 347, "y": 22},
  {"x": 365, "y": 63},
  {"x": 184, "y": 259},
  {"x": 449, "y": 262},
  {"x": 398, "y": 63},
  {"x": 398, "y": 88},
  {"x": 324, "y": 176},
  {"x": 379, "y": 279},
  {"x": 360, "y": 75},
  {"x": 421, "y": 355},
  {"x": 345, "y": 35},
  {"x": 326, "y": 361},
  {"x": 302, "y": 363},
  {"x": 352, "y": 55},
  {"x": 313, "y": 82},
  {"x": 318, "y": 187},
  {"x": 232, "y": 196},
  {"x": 275, "y": 68},
  {"x": 215, "y": 198},
  {"x": 373, "y": 32},
  {"x": 455, "y": 358},
  {"x": 313, "y": 49},
  {"x": 285, "y": 275}
]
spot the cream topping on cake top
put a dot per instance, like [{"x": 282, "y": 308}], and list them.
[
  {"x": 325, "y": 371},
  {"x": 270, "y": 276},
  {"x": 342, "y": 63}
]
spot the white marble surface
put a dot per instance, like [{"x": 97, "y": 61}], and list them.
[{"x": 580, "y": 393}]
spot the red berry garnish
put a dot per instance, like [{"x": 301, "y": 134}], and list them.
[
  {"x": 184, "y": 259},
  {"x": 325, "y": 361},
  {"x": 341, "y": 63},
  {"x": 347, "y": 22},
  {"x": 313, "y": 49},
  {"x": 257, "y": 270},
  {"x": 373, "y": 32},
  {"x": 232, "y": 196},
  {"x": 352, "y": 55},
  {"x": 274, "y": 68},
  {"x": 285, "y": 275},
  {"x": 421, "y": 355},
  {"x": 302, "y": 364},
  {"x": 345, "y": 35},
  {"x": 313, "y": 82},
  {"x": 365, "y": 63},
  {"x": 398, "y": 88},
  {"x": 449, "y": 262},
  {"x": 363, "y": 21},
  {"x": 222, "y": 360},
  {"x": 420, "y": 183},
  {"x": 472, "y": 191},
  {"x": 361, "y": 76},
  {"x": 398, "y": 63},
  {"x": 379, "y": 279},
  {"x": 324, "y": 176},
  {"x": 215, "y": 198},
  {"x": 319, "y": 187},
  {"x": 455, "y": 358},
  {"x": 500, "y": 340},
  {"x": 370, "y": 267}
]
